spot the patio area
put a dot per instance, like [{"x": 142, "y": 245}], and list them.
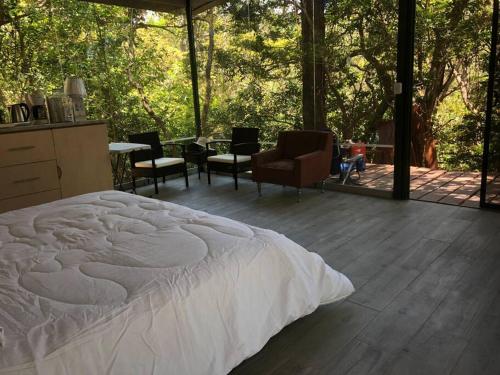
[
  {"x": 427, "y": 283},
  {"x": 455, "y": 188}
]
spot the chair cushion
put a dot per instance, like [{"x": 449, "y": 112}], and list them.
[
  {"x": 160, "y": 163},
  {"x": 282, "y": 165},
  {"x": 229, "y": 158}
]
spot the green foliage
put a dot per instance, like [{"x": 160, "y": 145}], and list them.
[{"x": 134, "y": 59}]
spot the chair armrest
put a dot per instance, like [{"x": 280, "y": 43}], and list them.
[
  {"x": 354, "y": 158},
  {"x": 248, "y": 148},
  {"x": 265, "y": 157},
  {"x": 218, "y": 141},
  {"x": 309, "y": 160}
]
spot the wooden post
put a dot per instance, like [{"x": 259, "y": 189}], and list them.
[{"x": 194, "y": 68}]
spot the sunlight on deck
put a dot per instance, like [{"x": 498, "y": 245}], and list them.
[{"x": 455, "y": 188}]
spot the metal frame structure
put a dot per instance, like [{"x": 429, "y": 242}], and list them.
[
  {"x": 404, "y": 99},
  {"x": 403, "y": 86},
  {"x": 489, "y": 106},
  {"x": 194, "y": 68},
  {"x": 169, "y": 6}
]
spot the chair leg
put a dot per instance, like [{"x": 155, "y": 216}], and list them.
[
  {"x": 208, "y": 174},
  {"x": 323, "y": 186},
  {"x": 199, "y": 171},
  {"x": 186, "y": 176},
  {"x": 134, "y": 188},
  {"x": 156, "y": 184},
  {"x": 259, "y": 188},
  {"x": 299, "y": 194},
  {"x": 163, "y": 179},
  {"x": 347, "y": 176},
  {"x": 235, "y": 176}
]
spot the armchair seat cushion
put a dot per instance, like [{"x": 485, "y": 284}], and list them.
[
  {"x": 229, "y": 158},
  {"x": 300, "y": 159},
  {"x": 281, "y": 165},
  {"x": 160, "y": 163}
]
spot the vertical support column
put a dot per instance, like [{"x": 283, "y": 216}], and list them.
[
  {"x": 489, "y": 103},
  {"x": 404, "y": 99},
  {"x": 194, "y": 68},
  {"x": 313, "y": 64}
]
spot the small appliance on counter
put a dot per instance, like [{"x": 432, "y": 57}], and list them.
[
  {"x": 60, "y": 107},
  {"x": 36, "y": 101},
  {"x": 19, "y": 112},
  {"x": 75, "y": 88}
]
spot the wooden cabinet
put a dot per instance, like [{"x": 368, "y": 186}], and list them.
[
  {"x": 83, "y": 156},
  {"x": 40, "y": 166}
]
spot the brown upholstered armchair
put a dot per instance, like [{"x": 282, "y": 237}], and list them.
[{"x": 300, "y": 159}]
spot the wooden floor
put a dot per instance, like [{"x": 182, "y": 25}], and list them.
[
  {"x": 456, "y": 188},
  {"x": 427, "y": 278}
]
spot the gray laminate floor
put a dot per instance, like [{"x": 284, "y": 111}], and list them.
[{"x": 427, "y": 279}]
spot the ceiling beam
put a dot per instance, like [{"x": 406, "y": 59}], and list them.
[{"x": 169, "y": 6}]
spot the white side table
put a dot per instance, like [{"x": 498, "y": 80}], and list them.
[{"x": 121, "y": 150}]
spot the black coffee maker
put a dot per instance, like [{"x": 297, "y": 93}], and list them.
[
  {"x": 39, "y": 113},
  {"x": 36, "y": 102}
]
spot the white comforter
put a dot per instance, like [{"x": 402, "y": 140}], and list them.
[{"x": 112, "y": 283}]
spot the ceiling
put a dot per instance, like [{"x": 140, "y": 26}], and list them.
[{"x": 170, "y": 6}]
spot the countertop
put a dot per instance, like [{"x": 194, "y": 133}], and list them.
[{"x": 28, "y": 126}]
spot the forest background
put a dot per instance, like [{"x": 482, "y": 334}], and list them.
[{"x": 136, "y": 67}]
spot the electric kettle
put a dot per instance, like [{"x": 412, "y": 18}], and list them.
[{"x": 19, "y": 112}]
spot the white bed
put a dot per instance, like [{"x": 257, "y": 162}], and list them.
[{"x": 113, "y": 283}]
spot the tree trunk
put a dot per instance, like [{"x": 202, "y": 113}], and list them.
[
  {"x": 441, "y": 77},
  {"x": 208, "y": 72},
  {"x": 423, "y": 144},
  {"x": 313, "y": 64}
]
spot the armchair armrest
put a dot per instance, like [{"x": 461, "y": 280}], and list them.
[
  {"x": 265, "y": 157},
  {"x": 310, "y": 160},
  {"x": 312, "y": 167}
]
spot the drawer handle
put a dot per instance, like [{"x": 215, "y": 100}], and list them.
[
  {"x": 21, "y": 148},
  {"x": 25, "y": 180}
]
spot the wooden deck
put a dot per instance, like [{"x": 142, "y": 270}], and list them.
[
  {"x": 427, "y": 280},
  {"x": 455, "y": 188}
]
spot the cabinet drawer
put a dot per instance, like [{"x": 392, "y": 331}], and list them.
[
  {"x": 26, "y": 147},
  {"x": 28, "y": 178},
  {"x": 29, "y": 200}
]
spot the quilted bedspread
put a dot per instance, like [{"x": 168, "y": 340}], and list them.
[{"x": 113, "y": 283}]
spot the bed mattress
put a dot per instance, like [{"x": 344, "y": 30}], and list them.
[{"x": 114, "y": 283}]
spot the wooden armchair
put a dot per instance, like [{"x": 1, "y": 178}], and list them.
[
  {"x": 153, "y": 163},
  {"x": 300, "y": 159},
  {"x": 244, "y": 142}
]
